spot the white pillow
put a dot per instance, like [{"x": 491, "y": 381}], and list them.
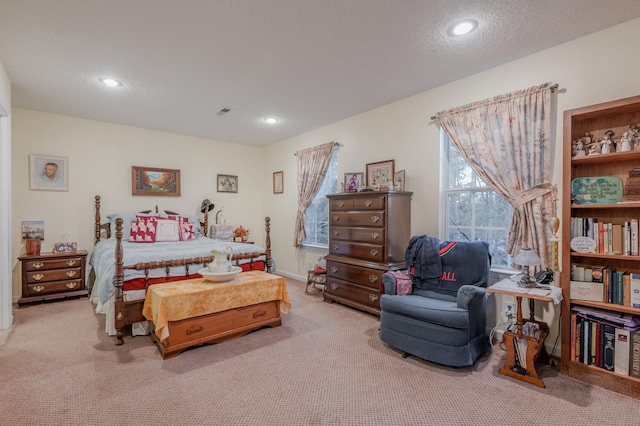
[{"x": 167, "y": 230}]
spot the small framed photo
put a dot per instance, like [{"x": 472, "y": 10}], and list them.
[
  {"x": 154, "y": 181},
  {"x": 380, "y": 175},
  {"x": 227, "y": 183},
  {"x": 398, "y": 180},
  {"x": 353, "y": 181},
  {"x": 65, "y": 247},
  {"x": 278, "y": 186},
  {"x": 33, "y": 229},
  {"x": 48, "y": 173}
]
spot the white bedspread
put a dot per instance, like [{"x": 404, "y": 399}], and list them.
[{"x": 103, "y": 258}]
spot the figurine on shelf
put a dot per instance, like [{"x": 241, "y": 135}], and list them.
[
  {"x": 605, "y": 145},
  {"x": 625, "y": 142},
  {"x": 634, "y": 134},
  {"x": 586, "y": 140},
  {"x": 579, "y": 149},
  {"x": 594, "y": 149}
]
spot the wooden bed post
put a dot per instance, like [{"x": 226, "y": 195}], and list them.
[
  {"x": 267, "y": 228},
  {"x": 118, "y": 280},
  {"x": 97, "y": 219},
  {"x": 206, "y": 222}
]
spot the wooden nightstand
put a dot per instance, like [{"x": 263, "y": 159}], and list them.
[{"x": 53, "y": 276}]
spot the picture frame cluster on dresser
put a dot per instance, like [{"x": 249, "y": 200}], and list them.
[{"x": 380, "y": 175}]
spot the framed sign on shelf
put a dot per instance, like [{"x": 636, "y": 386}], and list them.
[{"x": 155, "y": 181}]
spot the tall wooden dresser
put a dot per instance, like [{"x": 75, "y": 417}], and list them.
[{"x": 368, "y": 235}]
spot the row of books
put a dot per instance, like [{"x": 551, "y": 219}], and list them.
[
  {"x": 609, "y": 238},
  {"x": 610, "y": 342},
  {"x": 607, "y": 285}
]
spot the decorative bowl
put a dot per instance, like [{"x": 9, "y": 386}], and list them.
[{"x": 220, "y": 277}]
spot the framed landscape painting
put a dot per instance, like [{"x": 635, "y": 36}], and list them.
[{"x": 155, "y": 181}]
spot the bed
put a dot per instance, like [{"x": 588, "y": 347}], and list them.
[{"x": 123, "y": 267}]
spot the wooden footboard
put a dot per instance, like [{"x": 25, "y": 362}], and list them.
[{"x": 129, "y": 312}]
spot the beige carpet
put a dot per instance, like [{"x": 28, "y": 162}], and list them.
[{"x": 324, "y": 366}]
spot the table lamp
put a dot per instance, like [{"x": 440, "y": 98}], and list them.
[
  {"x": 526, "y": 258},
  {"x": 220, "y": 213}
]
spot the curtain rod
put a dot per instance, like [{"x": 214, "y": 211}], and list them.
[
  {"x": 334, "y": 144},
  {"x": 553, "y": 88}
]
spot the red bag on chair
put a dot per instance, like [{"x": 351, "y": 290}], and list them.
[{"x": 403, "y": 283}]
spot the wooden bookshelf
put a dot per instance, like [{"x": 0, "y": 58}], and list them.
[{"x": 597, "y": 119}]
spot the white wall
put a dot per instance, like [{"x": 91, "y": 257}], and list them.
[
  {"x": 589, "y": 70},
  {"x": 100, "y": 159}
]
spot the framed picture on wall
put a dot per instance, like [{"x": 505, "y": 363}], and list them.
[
  {"x": 380, "y": 175},
  {"x": 278, "y": 185},
  {"x": 48, "y": 173},
  {"x": 155, "y": 181},
  {"x": 227, "y": 183}
]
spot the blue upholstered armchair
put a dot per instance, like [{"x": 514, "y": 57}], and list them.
[{"x": 444, "y": 318}]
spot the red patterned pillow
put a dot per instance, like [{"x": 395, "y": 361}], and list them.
[
  {"x": 143, "y": 230},
  {"x": 187, "y": 231},
  {"x": 180, "y": 219}
]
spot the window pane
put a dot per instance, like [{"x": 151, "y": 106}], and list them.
[
  {"x": 317, "y": 214},
  {"x": 491, "y": 210},
  {"x": 497, "y": 240},
  {"x": 459, "y": 209}
]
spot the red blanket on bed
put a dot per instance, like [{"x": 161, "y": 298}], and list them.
[{"x": 139, "y": 283}]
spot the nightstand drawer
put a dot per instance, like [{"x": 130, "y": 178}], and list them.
[
  {"x": 53, "y": 287},
  {"x": 40, "y": 264},
  {"x": 53, "y": 275}
]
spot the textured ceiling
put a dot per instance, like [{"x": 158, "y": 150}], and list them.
[{"x": 308, "y": 62}]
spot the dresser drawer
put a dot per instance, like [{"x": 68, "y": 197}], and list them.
[
  {"x": 341, "y": 204},
  {"x": 369, "y": 203},
  {"x": 348, "y": 292},
  {"x": 356, "y": 274},
  {"x": 353, "y": 218},
  {"x": 371, "y": 252},
  {"x": 50, "y": 287},
  {"x": 53, "y": 275},
  {"x": 365, "y": 235},
  {"x": 40, "y": 264}
]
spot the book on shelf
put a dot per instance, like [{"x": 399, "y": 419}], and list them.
[
  {"x": 608, "y": 351},
  {"x": 616, "y": 239},
  {"x": 622, "y": 351},
  {"x": 597, "y": 274},
  {"x": 634, "y": 367},
  {"x": 634, "y": 290},
  {"x": 574, "y": 332},
  {"x": 634, "y": 237}
]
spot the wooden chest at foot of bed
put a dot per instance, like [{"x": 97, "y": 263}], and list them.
[{"x": 218, "y": 327}]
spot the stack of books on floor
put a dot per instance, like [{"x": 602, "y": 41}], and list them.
[{"x": 606, "y": 340}]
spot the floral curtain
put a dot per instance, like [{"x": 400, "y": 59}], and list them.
[
  {"x": 312, "y": 165},
  {"x": 507, "y": 140}
]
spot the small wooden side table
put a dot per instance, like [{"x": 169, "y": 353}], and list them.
[{"x": 524, "y": 370}]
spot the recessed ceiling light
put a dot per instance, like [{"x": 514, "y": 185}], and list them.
[
  {"x": 462, "y": 28},
  {"x": 271, "y": 120},
  {"x": 110, "y": 82}
]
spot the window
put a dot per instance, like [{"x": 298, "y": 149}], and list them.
[
  {"x": 471, "y": 210},
  {"x": 317, "y": 220}
]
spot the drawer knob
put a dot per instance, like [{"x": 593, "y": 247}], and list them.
[
  {"x": 37, "y": 265},
  {"x": 71, "y": 262},
  {"x": 367, "y": 203},
  {"x": 120, "y": 316},
  {"x": 373, "y": 278},
  {"x": 336, "y": 247},
  {"x": 375, "y": 235},
  {"x": 38, "y": 288},
  {"x": 336, "y": 233},
  {"x": 373, "y": 297},
  {"x": 375, "y": 219},
  {"x": 71, "y": 273},
  {"x": 341, "y": 203},
  {"x": 71, "y": 285},
  {"x": 333, "y": 286},
  {"x": 336, "y": 218},
  {"x": 334, "y": 269},
  {"x": 374, "y": 252},
  {"x": 38, "y": 277}
]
